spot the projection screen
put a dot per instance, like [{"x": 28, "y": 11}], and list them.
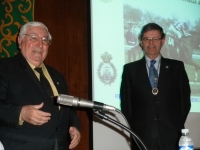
[{"x": 115, "y": 28}]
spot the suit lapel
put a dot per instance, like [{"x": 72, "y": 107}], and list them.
[
  {"x": 164, "y": 72},
  {"x": 144, "y": 75},
  {"x": 30, "y": 76},
  {"x": 54, "y": 79},
  {"x": 57, "y": 85}
]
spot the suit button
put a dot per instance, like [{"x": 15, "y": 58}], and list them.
[
  {"x": 52, "y": 147},
  {"x": 56, "y": 129}
]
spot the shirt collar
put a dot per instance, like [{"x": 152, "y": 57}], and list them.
[
  {"x": 33, "y": 67},
  {"x": 157, "y": 60}
]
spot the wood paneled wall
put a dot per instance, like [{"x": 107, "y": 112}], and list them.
[{"x": 69, "y": 52}]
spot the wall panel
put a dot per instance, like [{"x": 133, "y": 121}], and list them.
[{"x": 67, "y": 21}]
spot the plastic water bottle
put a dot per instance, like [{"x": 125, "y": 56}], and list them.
[
  {"x": 1, "y": 146},
  {"x": 185, "y": 142}
]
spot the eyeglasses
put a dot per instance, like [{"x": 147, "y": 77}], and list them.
[
  {"x": 153, "y": 39},
  {"x": 35, "y": 38}
]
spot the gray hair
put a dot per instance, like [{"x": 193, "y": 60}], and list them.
[{"x": 26, "y": 26}]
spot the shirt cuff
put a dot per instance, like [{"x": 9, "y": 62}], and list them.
[{"x": 20, "y": 120}]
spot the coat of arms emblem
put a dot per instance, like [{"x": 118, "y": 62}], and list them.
[{"x": 106, "y": 71}]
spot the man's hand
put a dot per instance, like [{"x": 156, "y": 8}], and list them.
[
  {"x": 32, "y": 114},
  {"x": 75, "y": 136}
]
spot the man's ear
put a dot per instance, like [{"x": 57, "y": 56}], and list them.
[
  {"x": 141, "y": 45},
  {"x": 19, "y": 40}
]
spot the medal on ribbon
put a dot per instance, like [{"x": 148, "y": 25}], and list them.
[{"x": 155, "y": 89}]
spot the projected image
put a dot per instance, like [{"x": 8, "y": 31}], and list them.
[
  {"x": 182, "y": 30},
  {"x": 116, "y": 25}
]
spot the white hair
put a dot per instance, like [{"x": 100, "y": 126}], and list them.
[{"x": 25, "y": 27}]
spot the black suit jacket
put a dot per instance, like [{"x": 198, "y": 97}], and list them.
[
  {"x": 157, "y": 118},
  {"x": 19, "y": 86}
]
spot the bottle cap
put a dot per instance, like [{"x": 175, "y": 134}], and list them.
[{"x": 185, "y": 131}]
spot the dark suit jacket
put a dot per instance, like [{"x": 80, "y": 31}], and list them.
[
  {"x": 157, "y": 118},
  {"x": 19, "y": 86}
]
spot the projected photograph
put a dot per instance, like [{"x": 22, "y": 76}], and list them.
[{"x": 182, "y": 29}]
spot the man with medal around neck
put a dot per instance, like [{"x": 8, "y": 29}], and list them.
[{"x": 155, "y": 115}]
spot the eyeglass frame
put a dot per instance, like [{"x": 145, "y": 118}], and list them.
[
  {"x": 41, "y": 38},
  {"x": 153, "y": 39}
]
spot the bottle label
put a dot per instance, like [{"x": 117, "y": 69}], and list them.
[{"x": 186, "y": 147}]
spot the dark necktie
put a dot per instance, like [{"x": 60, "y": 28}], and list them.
[
  {"x": 153, "y": 74},
  {"x": 45, "y": 83}
]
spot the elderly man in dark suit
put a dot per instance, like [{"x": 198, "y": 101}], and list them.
[
  {"x": 30, "y": 119},
  {"x": 155, "y": 94}
]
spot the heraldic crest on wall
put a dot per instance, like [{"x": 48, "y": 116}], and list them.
[{"x": 106, "y": 71}]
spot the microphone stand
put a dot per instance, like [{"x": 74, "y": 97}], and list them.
[{"x": 101, "y": 115}]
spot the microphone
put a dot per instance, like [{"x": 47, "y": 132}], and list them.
[{"x": 79, "y": 102}]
